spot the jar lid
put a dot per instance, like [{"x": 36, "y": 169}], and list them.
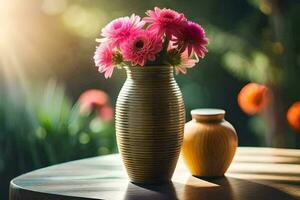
[
  {"x": 208, "y": 114},
  {"x": 207, "y": 111}
]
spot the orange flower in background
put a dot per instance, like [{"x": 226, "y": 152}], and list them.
[
  {"x": 253, "y": 98},
  {"x": 293, "y": 116},
  {"x": 95, "y": 100}
]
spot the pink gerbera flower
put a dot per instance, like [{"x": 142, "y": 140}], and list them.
[
  {"x": 181, "y": 61},
  {"x": 193, "y": 38},
  {"x": 186, "y": 62},
  {"x": 165, "y": 21},
  {"x": 141, "y": 46},
  {"x": 118, "y": 30},
  {"x": 105, "y": 58}
]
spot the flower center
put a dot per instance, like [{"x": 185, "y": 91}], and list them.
[
  {"x": 117, "y": 58},
  {"x": 139, "y": 44},
  {"x": 168, "y": 16},
  {"x": 117, "y": 25}
]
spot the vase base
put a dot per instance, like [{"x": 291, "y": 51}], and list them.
[
  {"x": 151, "y": 182},
  {"x": 209, "y": 176}
]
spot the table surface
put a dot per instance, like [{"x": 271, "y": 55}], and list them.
[{"x": 256, "y": 173}]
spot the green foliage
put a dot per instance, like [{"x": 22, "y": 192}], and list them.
[
  {"x": 42, "y": 127},
  {"x": 242, "y": 59},
  {"x": 255, "y": 67}
]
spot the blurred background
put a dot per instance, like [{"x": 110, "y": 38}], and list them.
[{"x": 48, "y": 114}]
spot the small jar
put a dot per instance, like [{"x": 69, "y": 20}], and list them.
[{"x": 209, "y": 143}]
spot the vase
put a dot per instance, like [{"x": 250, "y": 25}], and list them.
[
  {"x": 209, "y": 143},
  {"x": 150, "y": 119}
]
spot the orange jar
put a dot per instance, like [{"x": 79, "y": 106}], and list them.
[{"x": 209, "y": 143}]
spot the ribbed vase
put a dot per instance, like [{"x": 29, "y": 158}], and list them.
[{"x": 150, "y": 119}]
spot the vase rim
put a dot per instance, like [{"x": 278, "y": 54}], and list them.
[{"x": 148, "y": 66}]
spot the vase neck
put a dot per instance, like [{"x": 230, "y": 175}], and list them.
[{"x": 150, "y": 72}]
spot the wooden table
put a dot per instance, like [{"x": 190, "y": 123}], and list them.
[{"x": 256, "y": 173}]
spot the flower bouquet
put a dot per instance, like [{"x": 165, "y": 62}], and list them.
[
  {"x": 164, "y": 37},
  {"x": 150, "y": 112}
]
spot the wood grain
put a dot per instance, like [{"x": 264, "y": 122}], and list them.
[
  {"x": 209, "y": 143},
  {"x": 256, "y": 173}
]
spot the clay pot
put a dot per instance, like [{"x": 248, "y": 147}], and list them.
[{"x": 209, "y": 143}]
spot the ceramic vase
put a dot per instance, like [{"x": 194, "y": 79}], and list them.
[
  {"x": 150, "y": 119},
  {"x": 209, "y": 143}
]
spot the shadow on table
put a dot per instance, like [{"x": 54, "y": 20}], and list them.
[
  {"x": 233, "y": 188},
  {"x": 224, "y": 188},
  {"x": 150, "y": 192}
]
